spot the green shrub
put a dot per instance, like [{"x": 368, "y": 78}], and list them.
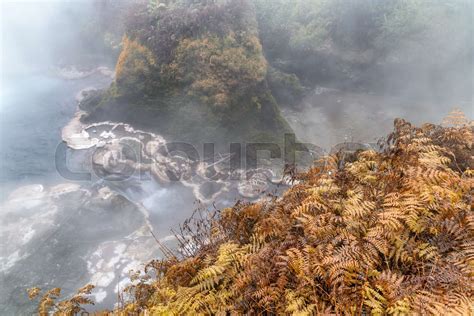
[
  {"x": 135, "y": 69},
  {"x": 214, "y": 67}
]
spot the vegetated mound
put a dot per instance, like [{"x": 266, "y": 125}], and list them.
[
  {"x": 194, "y": 69},
  {"x": 388, "y": 232}
]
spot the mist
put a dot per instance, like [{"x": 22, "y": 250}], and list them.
[
  {"x": 99, "y": 88},
  {"x": 41, "y": 34},
  {"x": 365, "y": 68}
]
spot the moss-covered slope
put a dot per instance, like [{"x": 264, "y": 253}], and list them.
[{"x": 189, "y": 68}]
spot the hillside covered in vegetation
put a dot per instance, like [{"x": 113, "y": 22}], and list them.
[
  {"x": 193, "y": 69},
  {"x": 387, "y": 232},
  {"x": 395, "y": 46},
  {"x": 235, "y": 143},
  {"x": 199, "y": 69},
  {"x": 379, "y": 233}
]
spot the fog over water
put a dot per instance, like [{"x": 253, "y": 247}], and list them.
[
  {"x": 58, "y": 232},
  {"x": 35, "y": 102},
  {"x": 53, "y": 231}
]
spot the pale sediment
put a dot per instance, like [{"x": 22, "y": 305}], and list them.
[
  {"x": 121, "y": 150},
  {"x": 72, "y": 73}
]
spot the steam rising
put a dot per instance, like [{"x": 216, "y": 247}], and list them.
[{"x": 43, "y": 40}]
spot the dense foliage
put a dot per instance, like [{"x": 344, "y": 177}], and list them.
[
  {"x": 385, "y": 27},
  {"x": 235, "y": 60},
  {"x": 215, "y": 68},
  {"x": 193, "y": 69},
  {"x": 210, "y": 49},
  {"x": 358, "y": 42},
  {"x": 388, "y": 232},
  {"x": 135, "y": 66}
]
